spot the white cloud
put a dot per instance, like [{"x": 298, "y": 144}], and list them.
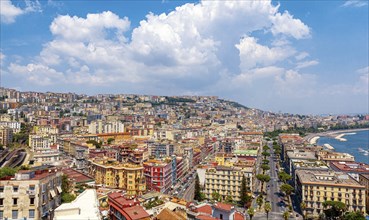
[
  {"x": 2, "y": 56},
  {"x": 364, "y": 70},
  {"x": 199, "y": 48},
  {"x": 302, "y": 56},
  {"x": 305, "y": 64},
  {"x": 9, "y": 12},
  {"x": 286, "y": 24},
  {"x": 253, "y": 54},
  {"x": 355, "y": 3},
  {"x": 37, "y": 74}
]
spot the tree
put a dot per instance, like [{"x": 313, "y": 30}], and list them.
[
  {"x": 229, "y": 199},
  {"x": 265, "y": 161},
  {"x": 265, "y": 154},
  {"x": 265, "y": 167},
  {"x": 287, "y": 189},
  {"x": 303, "y": 207},
  {"x": 197, "y": 189},
  {"x": 265, "y": 148},
  {"x": 110, "y": 140},
  {"x": 263, "y": 178},
  {"x": 267, "y": 208},
  {"x": 251, "y": 212},
  {"x": 333, "y": 209},
  {"x": 216, "y": 196},
  {"x": 284, "y": 177},
  {"x": 259, "y": 201},
  {"x": 244, "y": 197},
  {"x": 67, "y": 197},
  {"x": 354, "y": 216},
  {"x": 286, "y": 215},
  {"x": 66, "y": 184},
  {"x": 7, "y": 171}
]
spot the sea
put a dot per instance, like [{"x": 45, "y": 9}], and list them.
[{"x": 357, "y": 144}]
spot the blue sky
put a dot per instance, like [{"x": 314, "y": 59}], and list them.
[{"x": 308, "y": 57}]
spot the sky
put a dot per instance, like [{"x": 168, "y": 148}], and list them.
[{"x": 305, "y": 57}]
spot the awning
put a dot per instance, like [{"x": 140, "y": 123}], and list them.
[
  {"x": 52, "y": 193},
  {"x": 59, "y": 189}
]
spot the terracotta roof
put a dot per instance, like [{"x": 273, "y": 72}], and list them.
[
  {"x": 238, "y": 216},
  {"x": 166, "y": 214},
  {"x": 205, "y": 209},
  {"x": 78, "y": 177},
  {"x": 206, "y": 217},
  {"x": 225, "y": 207},
  {"x": 136, "y": 212}
]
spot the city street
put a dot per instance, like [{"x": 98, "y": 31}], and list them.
[{"x": 273, "y": 185}]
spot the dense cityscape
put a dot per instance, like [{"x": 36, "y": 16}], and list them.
[{"x": 126, "y": 156}]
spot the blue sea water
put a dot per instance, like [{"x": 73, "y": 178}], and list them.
[{"x": 354, "y": 141}]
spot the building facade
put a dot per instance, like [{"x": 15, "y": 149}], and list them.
[
  {"x": 315, "y": 187},
  {"x": 111, "y": 173},
  {"x": 158, "y": 175},
  {"x": 31, "y": 194},
  {"x": 226, "y": 181}
]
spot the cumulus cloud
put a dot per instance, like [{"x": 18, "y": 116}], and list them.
[
  {"x": 9, "y": 12},
  {"x": 355, "y": 3},
  {"x": 203, "y": 48},
  {"x": 286, "y": 24}
]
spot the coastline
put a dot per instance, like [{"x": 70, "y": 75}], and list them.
[{"x": 337, "y": 134}]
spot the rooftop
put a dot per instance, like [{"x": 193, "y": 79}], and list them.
[
  {"x": 324, "y": 177},
  {"x": 301, "y": 154},
  {"x": 350, "y": 167},
  {"x": 85, "y": 206},
  {"x": 136, "y": 212}
]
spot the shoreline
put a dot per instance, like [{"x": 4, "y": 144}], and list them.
[{"x": 313, "y": 137}]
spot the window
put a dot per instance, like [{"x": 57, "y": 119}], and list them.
[
  {"x": 15, "y": 201},
  {"x": 15, "y": 214},
  {"x": 1, "y": 214},
  {"x": 221, "y": 216},
  {"x": 1, "y": 189},
  {"x": 31, "y": 213},
  {"x": 32, "y": 187},
  {"x": 32, "y": 200},
  {"x": 1, "y": 202},
  {"x": 15, "y": 189}
]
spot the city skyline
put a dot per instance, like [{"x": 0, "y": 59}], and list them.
[{"x": 285, "y": 56}]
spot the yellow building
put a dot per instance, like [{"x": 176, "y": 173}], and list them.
[
  {"x": 226, "y": 181},
  {"x": 315, "y": 187},
  {"x": 113, "y": 174},
  {"x": 364, "y": 180}
]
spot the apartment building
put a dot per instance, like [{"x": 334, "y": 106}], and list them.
[
  {"x": 315, "y": 187},
  {"x": 6, "y": 135},
  {"x": 158, "y": 175},
  {"x": 227, "y": 181},
  {"x": 31, "y": 194},
  {"x": 111, "y": 173},
  {"x": 364, "y": 180}
]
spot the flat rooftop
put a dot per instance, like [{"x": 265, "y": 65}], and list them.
[{"x": 329, "y": 178}]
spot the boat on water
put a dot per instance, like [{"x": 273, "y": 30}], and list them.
[{"x": 360, "y": 149}]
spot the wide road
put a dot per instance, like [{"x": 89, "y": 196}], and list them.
[
  {"x": 273, "y": 185},
  {"x": 189, "y": 192}
]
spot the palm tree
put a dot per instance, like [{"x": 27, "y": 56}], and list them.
[
  {"x": 303, "y": 207},
  {"x": 267, "y": 208},
  {"x": 251, "y": 212},
  {"x": 286, "y": 215}
]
